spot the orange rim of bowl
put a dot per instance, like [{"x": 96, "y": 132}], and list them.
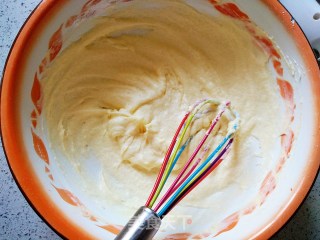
[
  {"x": 16, "y": 152},
  {"x": 312, "y": 168},
  {"x": 11, "y": 131}
]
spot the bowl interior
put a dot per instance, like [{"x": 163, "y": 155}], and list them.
[{"x": 55, "y": 182}]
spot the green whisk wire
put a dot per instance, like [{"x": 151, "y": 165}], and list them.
[{"x": 177, "y": 148}]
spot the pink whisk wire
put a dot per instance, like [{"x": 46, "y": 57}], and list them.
[
  {"x": 178, "y": 183},
  {"x": 167, "y": 156},
  {"x": 213, "y": 166},
  {"x": 165, "y": 161}
]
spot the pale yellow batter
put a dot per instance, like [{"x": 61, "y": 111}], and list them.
[{"x": 117, "y": 95}]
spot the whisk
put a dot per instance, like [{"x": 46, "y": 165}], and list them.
[{"x": 205, "y": 158}]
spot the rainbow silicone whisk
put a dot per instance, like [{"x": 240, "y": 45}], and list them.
[{"x": 208, "y": 154}]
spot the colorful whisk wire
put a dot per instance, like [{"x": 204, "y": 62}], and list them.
[
  {"x": 208, "y": 154},
  {"x": 196, "y": 168}
]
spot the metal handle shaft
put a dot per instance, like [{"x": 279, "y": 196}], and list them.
[{"x": 142, "y": 226}]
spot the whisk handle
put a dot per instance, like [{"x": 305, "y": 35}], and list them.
[{"x": 143, "y": 225}]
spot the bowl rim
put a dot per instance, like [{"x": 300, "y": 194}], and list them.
[{"x": 15, "y": 151}]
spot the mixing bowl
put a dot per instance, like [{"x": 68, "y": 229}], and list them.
[{"x": 54, "y": 25}]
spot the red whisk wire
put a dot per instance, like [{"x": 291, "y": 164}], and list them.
[
  {"x": 213, "y": 166},
  {"x": 165, "y": 161},
  {"x": 176, "y": 182}
]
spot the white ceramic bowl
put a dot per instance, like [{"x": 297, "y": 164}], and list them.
[{"x": 55, "y": 24}]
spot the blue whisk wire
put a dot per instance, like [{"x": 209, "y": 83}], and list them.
[{"x": 194, "y": 174}]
